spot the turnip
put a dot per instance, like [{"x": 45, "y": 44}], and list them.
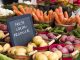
[
  {"x": 70, "y": 47},
  {"x": 68, "y": 42},
  {"x": 44, "y": 36},
  {"x": 77, "y": 41},
  {"x": 63, "y": 38},
  {"x": 64, "y": 50},
  {"x": 70, "y": 38},
  {"x": 54, "y": 49},
  {"x": 59, "y": 47},
  {"x": 51, "y": 35}
]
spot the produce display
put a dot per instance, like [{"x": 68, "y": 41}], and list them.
[{"x": 57, "y": 34}]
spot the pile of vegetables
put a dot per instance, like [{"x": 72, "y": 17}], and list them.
[
  {"x": 47, "y": 55},
  {"x": 57, "y": 35},
  {"x": 69, "y": 39}
]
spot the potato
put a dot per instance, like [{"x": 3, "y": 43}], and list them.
[
  {"x": 47, "y": 53},
  {"x": 2, "y": 35},
  {"x": 6, "y": 47},
  {"x": 33, "y": 44},
  {"x": 38, "y": 40},
  {"x": 41, "y": 57},
  {"x": 1, "y": 48},
  {"x": 29, "y": 48},
  {"x": 21, "y": 51},
  {"x": 36, "y": 55},
  {"x": 13, "y": 51},
  {"x": 53, "y": 56},
  {"x": 43, "y": 44},
  {"x": 59, "y": 53}
]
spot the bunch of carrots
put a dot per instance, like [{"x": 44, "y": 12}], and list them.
[
  {"x": 38, "y": 14},
  {"x": 48, "y": 16},
  {"x": 63, "y": 18}
]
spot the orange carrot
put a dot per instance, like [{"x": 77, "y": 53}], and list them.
[
  {"x": 38, "y": 13},
  {"x": 65, "y": 21},
  {"x": 18, "y": 12},
  {"x": 78, "y": 19},
  {"x": 27, "y": 10},
  {"x": 46, "y": 18},
  {"x": 66, "y": 14},
  {"x": 14, "y": 7},
  {"x": 22, "y": 9},
  {"x": 41, "y": 13},
  {"x": 57, "y": 18},
  {"x": 60, "y": 9},
  {"x": 61, "y": 17},
  {"x": 50, "y": 13},
  {"x": 35, "y": 17},
  {"x": 57, "y": 11}
]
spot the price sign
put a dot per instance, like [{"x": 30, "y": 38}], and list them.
[{"x": 21, "y": 29}]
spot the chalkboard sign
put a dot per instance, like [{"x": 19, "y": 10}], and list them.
[{"x": 20, "y": 29}]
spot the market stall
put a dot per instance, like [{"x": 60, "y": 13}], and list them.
[{"x": 46, "y": 30}]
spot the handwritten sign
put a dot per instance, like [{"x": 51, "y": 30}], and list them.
[{"x": 21, "y": 29}]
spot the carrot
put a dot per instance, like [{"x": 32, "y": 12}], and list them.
[
  {"x": 57, "y": 11},
  {"x": 30, "y": 10},
  {"x": 61, "y": 17},
  {"x": 39, "y": 15},
  {"x": 66, "y": 14},
  {"x": 42, "y": 17},
  {"x": 78, "y": 19},
  {"x": 60, "y": 9},
  {"x": 14, "y": 7},
  {"x": 46, "y": 17},
  {"x": 50, "y": 13},
  {"x": 34, "y": 10},
  {"x": 57, "y": 18},
  {"x": 65, "y": 21},
  {"x": 18, "y": 12},
  {"x": 27, "y": 10},
  {"x": 35, "y": 17},
  {"x": 22, "y": 9}
]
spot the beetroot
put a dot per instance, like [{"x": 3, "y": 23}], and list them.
[
  {"x": 63, "y": 38},
  {"x": 44, "y": 36},
  {"x": 54, "y": 49},
  {"x": 68, "y": 42},
  {"x": 77, "y": 41},
  {"x": 70, "y": 48},
  {"x": 59, "y": 47},
  {"x": 51, "y": 35},
  {"x": 65, "y": 50},
  {"x": 70, "y": 38}
]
